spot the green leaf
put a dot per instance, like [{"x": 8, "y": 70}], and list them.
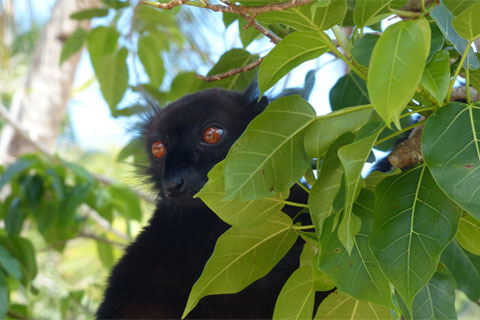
[
  {"x": 102, "y": 41},
  {"x": 13, "y": 170},
  {"x": 457, "y": 6},
  {"x": 293, "y": 50},
  {"x": 436, "y": 77},
  {"x": 269, "y": 156},
  {"x": 125, "y": 201},
  {"x": 235, "y": 58},
  {"x": 465, "y": 267},
  {"x": 437, "y": 40},
  {"x": 73, "y": 199},
  {"x": 443, "y": 17},
  {"x": 437, "y": 299},
  {"x": 414, "y": 222},
  {"x": 116, "y": 4},
  {"x": 326, "y": 129},
  {"x": 89, "y": 13},
  {"x": 15, "y": 216},
  {"x": 235, "y": 212},
  {"x": 184, "y": 83},
  {"x": 303, "y": 18},
  {"x": 105, "y": 253},
  {"x": 468, "y": 235},
  {"x": 246, "y": 35},
  {"x": 113, "y": 77},
  {"x": 322, "y": 195},
  {"x": 4, "y": 296},
  {"x": 340, "y": 306},
  {"x": 363, "y": 48},
  {"x": 10, "y": 264},
  {"x": 73, "y": 44},
  {"x": 297, "y": 296},
  {"x": 353, "y": 157},
  {"x": 22, "y": 249},
  {"x": 365, "y": 11},
  {"x": 149, "y": 53},
  {"x": 242, "y": 256},
  {"x": 475, "y": 79},
  {"x": 358, "y": 273},
  {"x": 451, "y": 148},
  {"x": 33, "y": 189},
  {"x": 350, "y": 90},
  {"x": 395, "y": 72},
  {"x": 467, "y": 23}
]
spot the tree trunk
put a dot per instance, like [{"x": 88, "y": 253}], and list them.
[{"x": 39, "y": 107}]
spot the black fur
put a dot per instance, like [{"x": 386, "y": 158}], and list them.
[{"x": 154, "y": 277}]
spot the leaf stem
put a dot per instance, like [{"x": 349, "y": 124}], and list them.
[
  {"x": 303, "y": 187},
  {"x": 303, "y": 227},
  {"x": 341, "y": 39},
  {"x": 334, "y": 49},
  {"x": 393, "y": 135},
  {"x": 457, "y": 72},
  {"x": 467, "y": 86},
  {"x": 290, "y": 203},
  {"x": 345, "y": 111}
]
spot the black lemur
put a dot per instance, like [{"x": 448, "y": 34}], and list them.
[{"x": 153, "y": 279}]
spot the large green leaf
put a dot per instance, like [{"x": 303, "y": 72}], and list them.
[
  {"x": 236, "y": 212},
  {"x": 395, "y": 72},
  {"x": 363, "y": 48},
  {"x": 102, "y": 41},
  {"x": 149, "y": 53},
  {"x": 303, "y": 18},
  {"x": 365, "y": 11},
  {"x": 350, "y": 90},
  {"x": 112, "y": 74},
  {"x": 293, "y": 50},
  {"x": 325, "y": 188},
  {"x": 436, "y": 76},
  {"x": 297, "y": 296},
  {"x": 443, "y": 17},
  {"x": 326, "y": 129},
  {"x": 457, "y": 6},
  {"x": 341, "y": 306},
  {"x": 467, "y": 23},
  {"x": 414, "y": 222},
  {"x": 451, "y": 148},
  {"x": 269, "y": 156},
  {"x": 436, "y": 300},
  {"x": 242, "y": 256},
  {"x": 358, "y": 273},
  {"x": 468, "y": 235},
  {"x": 353, "y": 157},
  {"x": 465, "y": 267},
  {"x": 73, "y": 44}
]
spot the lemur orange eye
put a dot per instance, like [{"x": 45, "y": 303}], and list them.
[
  {"x": 158, "y": 149},
  {"x": 212, "y": 135}
]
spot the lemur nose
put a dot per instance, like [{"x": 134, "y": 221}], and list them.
[{"x": 173, "y": 186}]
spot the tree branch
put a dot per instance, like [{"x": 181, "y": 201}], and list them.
[
  {"x": 229, "y": 73},
  {"x": 460, "y": 93}
]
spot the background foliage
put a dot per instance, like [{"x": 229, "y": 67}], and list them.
[{"x": 398, "y": 244}]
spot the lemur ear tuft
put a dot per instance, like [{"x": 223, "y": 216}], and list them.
[{"x": 252, "y": 95}]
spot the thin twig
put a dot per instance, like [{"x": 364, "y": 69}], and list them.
[
  {"x": 95, "y": 237},
  {"x": 229, "y": 73},
  {"x": 233, "y": 9}
]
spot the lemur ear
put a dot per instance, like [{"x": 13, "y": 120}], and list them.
[{"x": 252, "y": 96}]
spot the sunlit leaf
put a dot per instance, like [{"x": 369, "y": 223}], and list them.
[
  {"x": 322, "y": 195},
  {"x": 366, "y": 10},
  {"x": 241, "y": 256},
  {"x": 353, "y": 157},
  {"x": 341, "y": 306},
  {"x": 436, "y": 76},
  {"x": 125, "y": 201},
  {"x": 326, "y": 129},
  {"x": 89, "y": 13},
  {"x": 269, "y": 156},
  {"x": 468, "y": 235},
  {"x": 293, "y": 50},
  {"x": 236, "y": 212},
  {"x": 451, "y": 148},
  {"x": 457, "y": 6},
  {"x": 443, "y": 17},
  {"x": 102, "y": 41},
  {"x": 395, "y": 72},
  {"x": 297, "y": 296},
  {"x": 414, "y": 222},
  {"x": 467, "y": 23},
  {"x": 358, "y": 273},
  {"x": 149, "y": 54}
]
